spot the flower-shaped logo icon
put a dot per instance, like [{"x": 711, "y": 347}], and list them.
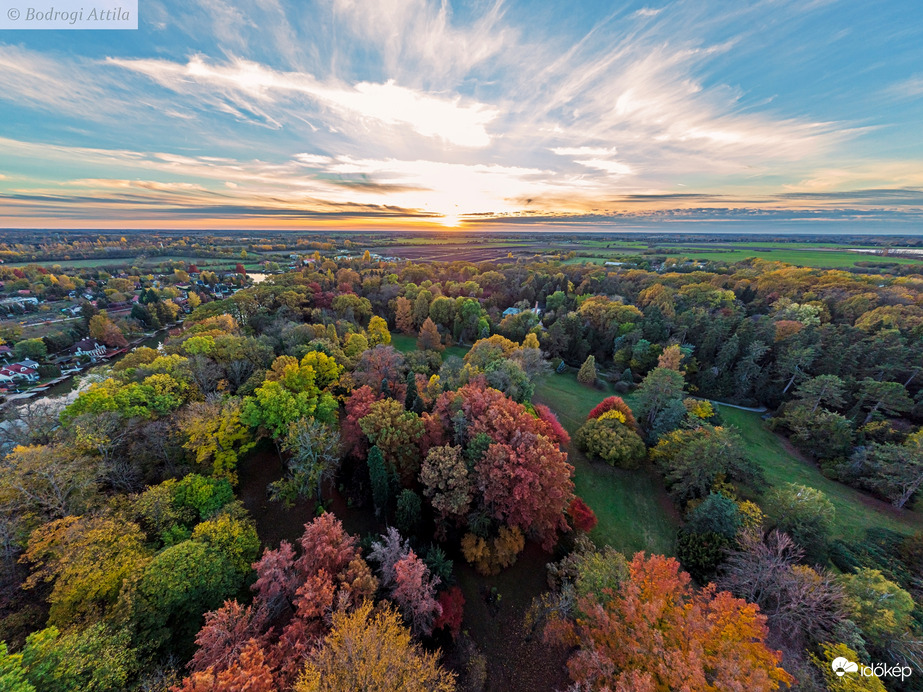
[{"x": 841, "y": 666}]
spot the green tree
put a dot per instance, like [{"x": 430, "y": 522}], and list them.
[
  {"x": 881, "y": 608},
  {"x": 314, "y": 455},
  {"x": 396, "y": 433},
  {"x": 12, "y": 676},
  {"x": 94, "y": 658},
  {"x": 659, "y": 408},
  {"x": 611, "y": 439},
  {"x": 407, "y": 513},
  {"x": 803, "y": 513},
  {"x": 693, "y": 461},
  {"x": 380, "y": 480},
  {"x": 31, "y": 348},
  {"x": 823, "y": 390},
  {"x": 890, "y": 397}
]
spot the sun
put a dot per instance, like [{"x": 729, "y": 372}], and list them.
[{"x": 451, "y": 221}]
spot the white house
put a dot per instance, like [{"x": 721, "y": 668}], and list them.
[{"x": 88, "y": 347}]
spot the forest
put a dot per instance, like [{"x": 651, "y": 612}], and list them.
[{"x": 320, "y": 481}]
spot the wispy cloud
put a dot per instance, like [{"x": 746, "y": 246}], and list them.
[{"x": 419, "y": 109}]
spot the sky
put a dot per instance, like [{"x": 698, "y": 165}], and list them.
[{"x": 691, "y": 115}]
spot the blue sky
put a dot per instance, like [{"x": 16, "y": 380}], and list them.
[{"x": 687, "y": 115}]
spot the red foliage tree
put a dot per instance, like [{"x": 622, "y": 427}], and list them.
[
  {"x": 249, "y": 673},
  {"x": 556, "y": 431},
  {"x": 294, "y": 598},
  {"x": 359, "y": 404},
  {"x": 524, "y": 479},
  {"x": 415, "y": 593},
  {"x": 582, "y": 518},
  {"x": 453, "y": 611},
  {"x": 614, "y": 403}
]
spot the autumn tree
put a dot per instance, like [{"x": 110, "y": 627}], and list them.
[
  {"x": 372, "y": 651},
  {"x": 48, "y": 480},
  {"x": 216, "y": 435},
  {"x": 358, "y": 405},
  {"x": 429, "y": 339},
  {"x": 396, "y": 433},
  {"x": 681, "y": 638},
  {"x": 403, "y": 316},
  {"x": 414, "y": 592},
  {"x": 378, "y": 332},
  {"x": 615, "y": 403},
  {"x": 446, "y": 483},
  {"x": 86, "y": 559},
  {"x": 383, "y": 370}
]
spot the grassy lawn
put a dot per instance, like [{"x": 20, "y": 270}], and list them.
[
  {"x": 855, "y": 511},
  {"x": 633, "y": 509}
]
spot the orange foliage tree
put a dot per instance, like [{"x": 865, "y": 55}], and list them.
[{"x": 656, "y": 632}]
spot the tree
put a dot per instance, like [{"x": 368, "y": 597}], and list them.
[
  {"x": 587, "y": 373},
  {"x": 314, "y": 455},
  {"x": 414, "y": 592},
  {"x": 372, "y": 651},
  {"x": 802, "y": 605},
  {"x": 716, "y": 514},
  {"x": 380, "y": 480},
  {"x": 180, "y": 584},
  {"x": 248, "y": 671},
  {"x": 555, "y": 430},
  {"x": 94, "y": 658},
  {"x": 33, "y": 349},
  {"x": 104, "y": 330},
  {"x": 823, "y": 434},
  {"x": 452, "y": 601},
  {"x": 382, "y": 369},
  {"x": 671, "y": 358},
  {"x": 48, "y": 480},
  {"x": 894, "y": 471},
  {"x": 491, "y": 555},
  {"x": 407, "y": 513},
  {"x": 396, "y": 433},
  {"x": 12, "y": 676},
  {"x": 216, "y": 435},
  {"x": 412, "y": 400},
  {"x": 844, "y": 683},
  {"x": 609, "y": 438},
  {"x": 87, "y": 559},
  {"x": 358, "y": 405},
  {"x": 890, "y": 397},
  {"x": 692, "y": 461},
  {"x": 444, "y": 475},
  {"x": 403, "y": 315},
  {"x": 581, "y": 516},
  {"x": 881, "y": 608},
  {"x": 660, "y": 402},
  {"x": 680, "y": 638},
  {"x": 429, "y": 338},
  {"x": 615, "y": 403},
  {"x": 378, "y": 332},
  {"x": 803, "y": 513},
  {"x": 387, "y": 552},
  {"x": 823, "y": 390}
]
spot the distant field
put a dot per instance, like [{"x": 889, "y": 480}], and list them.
[
  {"x": 632, "y": 507},
  {"x": 202, "y": 262},
  {"x": 855, "y": 511},
  {"x": 803, "y": 257}
]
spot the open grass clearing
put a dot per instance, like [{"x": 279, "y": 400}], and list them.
[
  {"x": 855, "y": 511},
  {"x": 634, "y": 511}
]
